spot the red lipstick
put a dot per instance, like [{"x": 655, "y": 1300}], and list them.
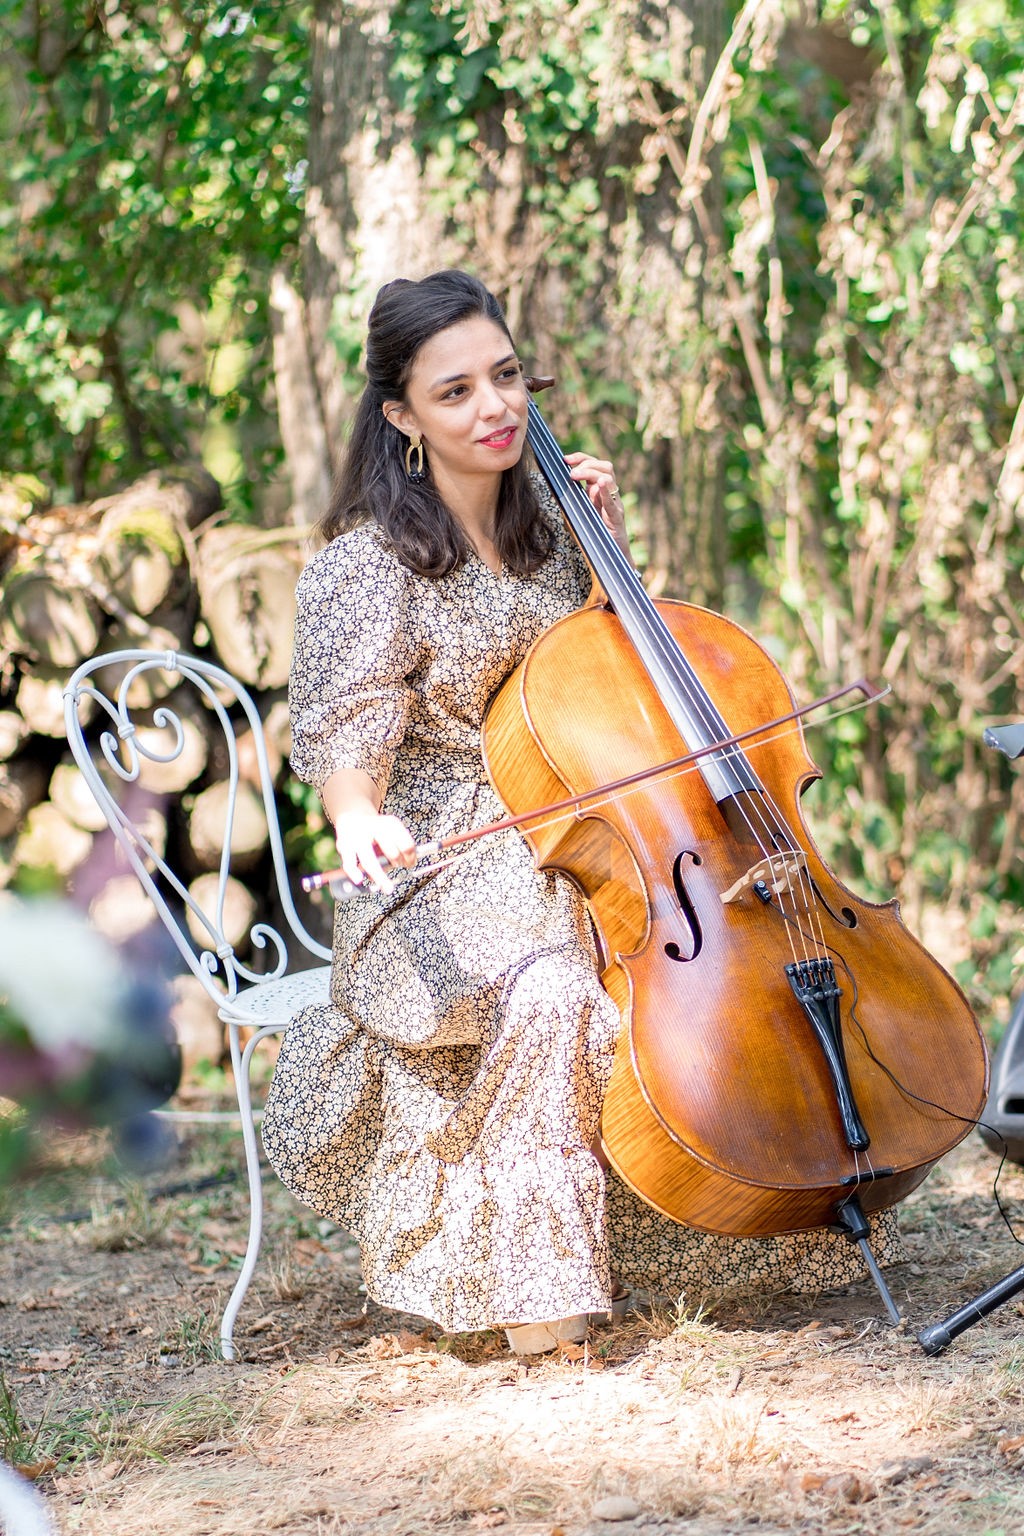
[{"x": 500, "y": 439}]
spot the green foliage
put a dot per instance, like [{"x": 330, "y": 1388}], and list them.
[
  {"x": 308, "y": 839},
  {"x": 843, "y": 341},
  {"x": 18, "y": 1440},
  {"x": 787, "y": 299},
  {"x": 513, "y": 95},
  {"x": 151, "y": 183},
  {"x": 453, "y": 81}
]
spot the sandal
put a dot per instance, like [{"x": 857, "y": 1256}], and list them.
[{"x": 542, "y": 1338}]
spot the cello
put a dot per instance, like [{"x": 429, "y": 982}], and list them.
[{"x": 790, "y": 1057}]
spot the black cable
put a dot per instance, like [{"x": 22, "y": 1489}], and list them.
[{"x": 120, "y": 1202}]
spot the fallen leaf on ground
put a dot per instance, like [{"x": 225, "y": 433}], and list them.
[
  {"x": 308, "y": 1247},
  {"x": 82, "y": 1482},
  {"x": 1012, "y": 1448},
  {"x": 216, "y": 1229},
  {"x": 848, "y": 1486},
  {"x": 55, "y": 1360},
  {"x": 274, "y": 1349},
  {"x": 34, "y": 1469},
  {"x": 387, "y": 1345}
]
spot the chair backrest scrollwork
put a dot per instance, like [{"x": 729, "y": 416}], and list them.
[{"x": 142, "y": 720}]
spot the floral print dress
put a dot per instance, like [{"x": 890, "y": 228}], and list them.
[{"x": 443, "y": 1106}]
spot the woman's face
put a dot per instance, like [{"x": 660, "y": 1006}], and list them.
[{"x": 467, "y": 400}]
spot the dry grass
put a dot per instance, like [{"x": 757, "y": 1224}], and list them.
[
  {"x": 722, "y": 1416},
  {"x": 123, "y": 1219}
]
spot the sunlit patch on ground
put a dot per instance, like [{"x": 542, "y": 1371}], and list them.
[{"x": 712, "y": 1417}]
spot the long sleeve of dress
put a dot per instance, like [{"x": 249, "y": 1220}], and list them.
[{"x": 348, "y": 693}]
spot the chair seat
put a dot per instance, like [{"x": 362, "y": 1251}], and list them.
[{"x": 275, "y": 1002}]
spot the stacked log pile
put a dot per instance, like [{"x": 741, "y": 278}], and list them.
[{"x": 154, "y": 567}]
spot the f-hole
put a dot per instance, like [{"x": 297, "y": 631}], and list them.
[
  {"x": 694, "y": 938},
  {"x": 844, "y": 917}
]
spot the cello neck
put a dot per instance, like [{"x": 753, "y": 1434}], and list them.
[{"x": 690, "y": 707}]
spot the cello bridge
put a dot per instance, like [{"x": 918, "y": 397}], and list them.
[{"x": 777, "y": 873}]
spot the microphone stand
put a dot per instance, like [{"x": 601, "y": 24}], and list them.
[
  {"x": 933, "y": 1340},
  {"x": 1008, "y": 739}
]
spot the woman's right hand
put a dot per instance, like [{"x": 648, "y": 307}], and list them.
[{"x": 363, "y": 836}]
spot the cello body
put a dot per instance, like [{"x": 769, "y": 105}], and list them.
[{"x": 723, "y": 1111}]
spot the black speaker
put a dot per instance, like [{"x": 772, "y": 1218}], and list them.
[{"x": 1004, "y": 1112}]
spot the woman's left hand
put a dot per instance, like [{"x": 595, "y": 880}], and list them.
[{"x": 598, "y": 476}]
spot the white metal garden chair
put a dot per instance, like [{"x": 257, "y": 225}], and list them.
[{"x": 111, "y": 759}]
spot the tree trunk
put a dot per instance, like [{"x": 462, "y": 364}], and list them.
[
  {"x": 186, "y": 494},
  {"x": 303, "y": 431},
  {"x": 367, "y": 220},
  {"x": 40, "y": 701},
  {"x": 664, "y": 302},
  {"x": 45, "y": 619},
  {"x": 74, "y": 799},
  {"x": 139, "y": 557},
  {"x": 239, "y": 911},
  {"x": 154, "y": 743},
  {"x": 370, "y": 217},
  {"x": 199, "y": 1031},
  {"x": 122, "y": 909}
]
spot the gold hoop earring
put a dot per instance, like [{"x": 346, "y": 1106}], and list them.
[{"x": 419, "y": 474}]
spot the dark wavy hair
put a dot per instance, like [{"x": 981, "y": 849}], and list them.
[{"x": 373, "y": 486}]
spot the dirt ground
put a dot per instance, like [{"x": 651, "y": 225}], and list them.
[{"x": 750, "y": 1413}]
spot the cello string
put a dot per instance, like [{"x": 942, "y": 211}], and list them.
[
  {"x": 614, "y": 796},
  {"x": 902, "y": 1087},
  {"x": 626, "y": 585},
  {"x": 775, "y": 842},
  {"x": 661, "y": 641},
  {"x": 974, "y": 1121},
  {"x": 622, "y": 585}
]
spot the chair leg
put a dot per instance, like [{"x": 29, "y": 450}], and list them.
[{"x": 241, "y": 1062}]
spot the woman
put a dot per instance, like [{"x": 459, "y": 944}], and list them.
[{"x": 444, "y": 1106}]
